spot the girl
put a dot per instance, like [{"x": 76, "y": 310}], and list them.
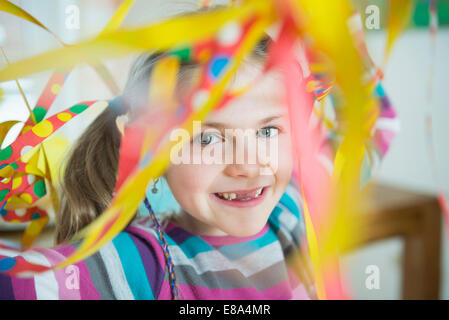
[{"x": 239, "y": 222}]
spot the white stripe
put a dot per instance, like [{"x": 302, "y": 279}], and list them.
[
  {"x": 392, "y": 124},
  {"x": 8, "y": 253},
  {"x": 46, "y": 285},
  {"x": 265, "y": 258},
  {"x": 300, "y": 293},
  {"x": 213, "y": 261},
  {"x": 287, "y": 220},
  {"x": 295, "y": 195},
  {"x": 115, "y": 272}
]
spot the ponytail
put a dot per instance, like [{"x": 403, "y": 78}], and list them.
[{"x": 90, "y": 176}]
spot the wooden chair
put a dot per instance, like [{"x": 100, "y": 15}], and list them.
[{"x": 416, "y": 218}]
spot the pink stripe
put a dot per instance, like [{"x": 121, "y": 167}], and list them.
[
  {"x": 281, "y": 291},
  {"x": 229, "y": 240},
  {"x": 54, "y": 258},
  {"x": 165, "y": 293},
  {"x": 300, "y": 293},
  {"x": 87, "y": 288},
  {"x": 387, "y": 112},
  {"x": 383, "y": 140},
  {"x": 293, "y": 278},
  {"x": 24, "y": 288}
]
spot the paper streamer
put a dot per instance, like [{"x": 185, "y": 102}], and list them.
[
  {"x": 219, "y": 40},
  {"x": 124, "y": 42},
  {"x": 399, "y": 14},
  {"x": 108, "y": 225},
  {"x": 39, "y": 218}
]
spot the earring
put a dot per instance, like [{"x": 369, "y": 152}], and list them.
[{"x": 154, "y": 189}]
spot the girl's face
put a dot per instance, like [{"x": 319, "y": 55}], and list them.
[{"x": 232, "y": 190}]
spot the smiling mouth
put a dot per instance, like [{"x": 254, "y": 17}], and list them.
[{"x": 241, "y": 196}]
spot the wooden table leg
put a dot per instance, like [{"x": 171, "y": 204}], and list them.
[{"x": 422, "y": 258}]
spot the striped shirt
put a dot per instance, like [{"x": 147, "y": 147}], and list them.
[{"x": 132, "y": 265}]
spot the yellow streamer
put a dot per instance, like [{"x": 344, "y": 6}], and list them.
[
  {"x": 132, "y": 192},
  {"x": 120, "y": 43},
  {"x": 399, "y": 14}
]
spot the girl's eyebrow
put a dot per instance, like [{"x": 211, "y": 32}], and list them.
[{"x": 220, "y": 125}]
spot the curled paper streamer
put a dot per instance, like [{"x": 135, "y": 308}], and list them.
[
  {"x": 328, "y": 229},
  {"x": 113, "y": 24},
  {"x": 126, "y": 200},
  {"x": 399, "y": 14},
  {"x": 145, "y": 150},
  {"x": 37, "y": 217},
  {"x": 123, "y": 42},
  {"x": 11, "y": 8}
]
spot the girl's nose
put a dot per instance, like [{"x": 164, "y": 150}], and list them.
[
  {"x": 245, "y": 158},
  {"x": 243, "y": 170}
]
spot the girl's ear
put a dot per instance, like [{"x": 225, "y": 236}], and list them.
[{"x": 121, "y": 121}]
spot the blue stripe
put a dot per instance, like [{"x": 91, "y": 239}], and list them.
[
  {"x": 273, "y": 220},
  {"x": 240, "y": 250},
  {"x": 192, "y": 246},
  {"x": 290, "y": 204},
  {"x": 132, "y": 265},
  {"x": 195, "y": 245}
]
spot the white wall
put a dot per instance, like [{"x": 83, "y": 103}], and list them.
[{"x": 407, "y": 163}]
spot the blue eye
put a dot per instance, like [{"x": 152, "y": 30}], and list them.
[
  {"x": 267, "y": 132},
  {"x": 207, "y": 139}
]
